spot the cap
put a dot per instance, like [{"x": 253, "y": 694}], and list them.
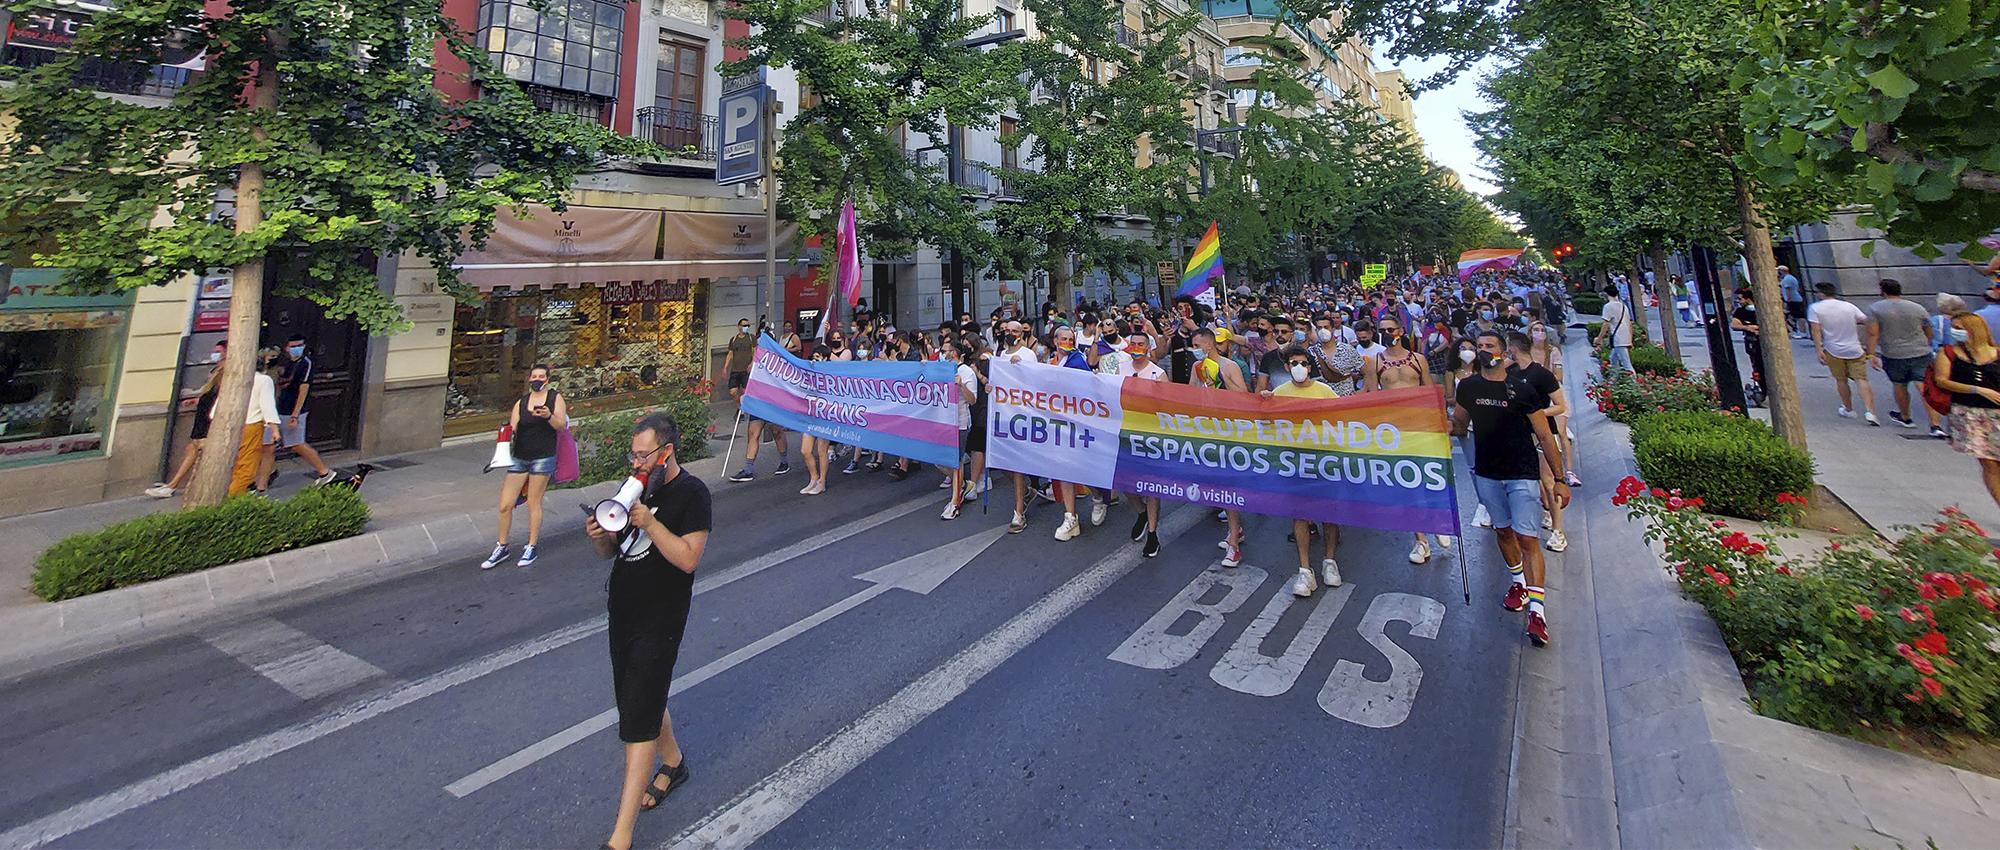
[{"x": 1223, "y": 335}]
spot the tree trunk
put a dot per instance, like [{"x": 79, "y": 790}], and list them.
[
  {"x": 210, "y": 484},
  {"x": 1781, "y": 383},
  {"x": 1664, "y": 293},
  {"x": 1059, "y": 275}
]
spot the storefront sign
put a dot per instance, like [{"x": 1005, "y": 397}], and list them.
[
  {"x": 904, "y": 409},
  {"x": 218, "y": 283},
  {"x": 427, "y": 308},
  {"x": 1380, "y": 460},
  {"x": 640, "y": 291},
  {"x": 35, "y": 289},
  {"x": 211, "y": 316},
  {"x": 742, "y": 129},
  {"x": 47, "y": 447},
  {"x": 48, "y": 30}
]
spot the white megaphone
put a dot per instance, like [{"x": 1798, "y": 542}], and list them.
[
  {"x": 503, "y": 451},
  {"x": 615, "y": 513}
]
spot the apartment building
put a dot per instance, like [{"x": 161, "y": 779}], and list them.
[{"x": 1337, "y": 70}]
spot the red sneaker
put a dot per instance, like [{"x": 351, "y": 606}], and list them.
[
  {"x": 1517, "y": 597},
  {"x": 1538, "y": 629}
]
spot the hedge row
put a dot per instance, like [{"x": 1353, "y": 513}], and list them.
[
  {"x": 1736, "y": 465},
  {"x": 603, "y": 442},
  {"x": 160, "y": 545}
]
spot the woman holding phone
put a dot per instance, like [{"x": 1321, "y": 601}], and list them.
[{"x": 534, "y": 421}]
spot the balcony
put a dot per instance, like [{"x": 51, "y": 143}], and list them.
[
  {"x": 685, "y": 135},
  {"x": 1127, "y": 36},
  {"x": 107, "y": 76},
  {"x": 1202, "y": 77},
  {"x": 974, "y": 178},
  {"x": 1225, "y": 144}
]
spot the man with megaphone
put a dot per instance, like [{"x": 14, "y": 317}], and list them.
[{"x": 658, "y": 530}]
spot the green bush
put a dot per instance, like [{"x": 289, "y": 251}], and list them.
[
  {"x": 603, "y": 441},
  {"x": 1654, "y": 360},
  {"x": 1587, "y": 302},
  {"x": 1859, "y": 635},
  {"x": 159, "y": 545},
  {"x": 1627, "y": 396},
  {"x": 1734, "y": 464}
]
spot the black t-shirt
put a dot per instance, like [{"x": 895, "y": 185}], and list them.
[
  {"x": 1274, "y": 366},
  {"x": 1503, "y": 439},
  {"x": 297, "y": 374},
  {"x": 1180, "y": 353},
  {"x": 1747, "y": 314},
  {"x": 1539, "y": 379},
  {"x": 644, "y": 584}
]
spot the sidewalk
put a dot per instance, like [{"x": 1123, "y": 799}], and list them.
[
  {"x": 1890, "y": 475},
  {"x": 422, "y": 505}
]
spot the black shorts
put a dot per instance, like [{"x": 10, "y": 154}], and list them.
[
  {"x": 200, "y": 429},
  {"x": 1795, "y": 309},
  {"x": 739, "y": 380},
  {"x": 975, "y": 437}
]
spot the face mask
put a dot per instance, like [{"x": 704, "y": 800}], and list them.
[
  {"x": 1324, "y": 335},
  {"x": 1298, "y": 373},
  {"x": 743, "y": 329},
  {"x": 1467, "y": 355},
  {"x": 214, "y": 356},
  {"x": 1298, "y": 336},
  {"x": 1959, "y": 336},
  {"x": 1488, "y": 361},
  {"x": 1486, "y": 314},
  {"x": 1253, "y": 336},
  {"x": 296, "y": 350},
  {"x": 537, "y": 385},
  {"x": 1539, "y": 336}
]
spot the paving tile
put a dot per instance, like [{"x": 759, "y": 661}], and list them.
[
  {"x": 100, "y": 610},
  {"x": 1674, "y": 775},
  {"x": 1670, "y": 689},
  {"x": 1663, "y": 732},
  {"x": 1917, "y": 818},
  {"x": 355, "y": 554},
  {"x": 299, "y": 567},
  {"x": 1708, "y": 821},
  {"x": 406, "y": 543}
]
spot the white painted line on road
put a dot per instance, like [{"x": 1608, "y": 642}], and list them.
[
  {"x": 109, "y": 805},
  {"x": 770, "y": 802},
  {"x": 298, "y": 662},
  {"x": 919, "y": 573}
]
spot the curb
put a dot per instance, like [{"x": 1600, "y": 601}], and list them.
[{"x": 44, "y": 634}]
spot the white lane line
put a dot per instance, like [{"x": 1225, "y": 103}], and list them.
[
  {"x": 918, "y": 573},
  {"x": 779, "y": 796},
  {"x": 294, "y": 660},
  {"x": 111, "y": 804}
]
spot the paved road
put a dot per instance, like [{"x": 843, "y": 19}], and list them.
[{"x": 1044, "y": 694}]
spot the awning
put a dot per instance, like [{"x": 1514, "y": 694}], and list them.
[
  {"x": 588, "y": 246},
  {"x": 560, "y": 275}
]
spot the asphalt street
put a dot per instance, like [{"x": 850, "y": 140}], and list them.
[{"x": 856, "y": 673}]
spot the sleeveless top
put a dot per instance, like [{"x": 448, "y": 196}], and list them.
[{"x": 534, "y": 437}]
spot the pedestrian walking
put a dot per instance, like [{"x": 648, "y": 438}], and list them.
[
  {"x": 1500, "y": 410},
  {"x": 255, "y": 448},
  {"x": 1397, "y": 367},
  {"x": 1899, "y": 344},
  {"x": 1836, "y": 333},
  {"x": 1300, "y": 384},
  {"x": 293, "y": 387},
  {"x": 1968, "y": 368},
  {"x": 1616, "y": 329},
  {"x": 534, "y": 420},
  {"x": 1795, "y": 302},
  {"x": 962, "y": 354},
  {"x": 816, "y": 451},
  {"x": 647, "y": 597},
  {"x": 1521, "y": 348},
  {"x": 204, "y": 410}
]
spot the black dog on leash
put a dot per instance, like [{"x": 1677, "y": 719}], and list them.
[{"x": 352, "y": 481}]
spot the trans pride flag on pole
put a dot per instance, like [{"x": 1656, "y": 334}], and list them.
[
  {"x": 1204, "y": 267},
  {"x": 847, "y": 240},
  {"x": 1486, "y": 258}
]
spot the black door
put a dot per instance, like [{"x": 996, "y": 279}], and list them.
[{"x": 339, "y": 353}]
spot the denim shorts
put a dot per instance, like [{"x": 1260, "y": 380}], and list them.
[
  {"x": 537, "y": 466},
  {"x": 1515, "y": 503},
  {"x": 1906, "y": 370},
  {"x": 292, "y": 435}
]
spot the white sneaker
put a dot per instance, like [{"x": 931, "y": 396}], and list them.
[
  {"x": 160, "y": 491},
  {"x": 1481, "y": 518},
  {"x": 1843, "y": 413},
  {"x": 1097, "y": 512},
  {"x": 1870, "y": 419},
  {"x": 1421, "y": 552},
  {"x": 806, "y": 490},
  {"x": 945, "y": 484},
  {"x": 327, "y": 478},
  {"x": 1305, "y": 584},
  {"x": 1222, "y": 544},
  {"x": 1069, "y": 529},
  {"x": 950, "y": 512},
  {"x": 1329, "y": 572},
  {"x": 1547, "y": 520},
  {"x": 1557, "y": 542},
  {"x": 1445, "y": 541},
  {"x": 1019, "y": 524}
]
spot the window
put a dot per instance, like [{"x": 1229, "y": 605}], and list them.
[
  {"x": 1003, "y": 19},
  {"x": 573, "y": 47}
]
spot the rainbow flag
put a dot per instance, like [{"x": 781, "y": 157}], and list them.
[
  {"x": 1205, "y": 265},
  {"x": 1486, "y": 258}
]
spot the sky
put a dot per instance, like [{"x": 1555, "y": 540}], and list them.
[{"x": 1441, "y": 122}]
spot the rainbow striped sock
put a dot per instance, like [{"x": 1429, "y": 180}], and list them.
[
  {"x": 1535, "y": 595},
  {"x": 1514, "y": 572}
]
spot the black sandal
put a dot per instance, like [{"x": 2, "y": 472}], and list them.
[{"x": 676, "y": 776}]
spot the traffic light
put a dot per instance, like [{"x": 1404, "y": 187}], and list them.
[{"x": 1564, "y": 252}]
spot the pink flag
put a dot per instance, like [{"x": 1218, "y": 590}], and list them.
[{"x": 849, "y": 247}]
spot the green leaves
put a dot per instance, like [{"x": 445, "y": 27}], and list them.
[{"x": 1892, "y": 82}]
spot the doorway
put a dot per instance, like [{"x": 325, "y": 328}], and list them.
[{"x": 339, "y": 352}]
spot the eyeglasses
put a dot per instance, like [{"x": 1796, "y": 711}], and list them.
[{"x": 635, "y": 457}]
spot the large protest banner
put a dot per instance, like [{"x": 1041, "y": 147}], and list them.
[
  {"x": 1379, "y": 460},
  {"x": 905, "y": 409}
]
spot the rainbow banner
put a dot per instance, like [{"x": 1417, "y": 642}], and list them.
[
  {"x": 1486, "y": 258},
  {"x": 1377, "y": 460},
  {"x": 1205, "y": 267},
  {"x": 905, "y": 409}
]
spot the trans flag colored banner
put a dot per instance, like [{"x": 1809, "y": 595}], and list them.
[
  {"x": 905, "y": 409},
  {"x": 1378, "y": 460}
]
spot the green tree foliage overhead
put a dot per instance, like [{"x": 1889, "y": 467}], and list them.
[
  {"x": 1895, "y": 98},
  {"x": 362, "y": 155},
  {"x": 1085, "y": 104},
  {"x": 874, "y": 76}
]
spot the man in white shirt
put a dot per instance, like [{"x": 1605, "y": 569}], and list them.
[
  {"x": 1836, "y": 332},
  {"x": 1617, "y": 327}
]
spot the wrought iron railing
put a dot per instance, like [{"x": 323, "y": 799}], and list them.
[
  {"x": 108, "y": 76},
  {"x": 685, "y": 135},
  {"x": 1127, "y": 36}
]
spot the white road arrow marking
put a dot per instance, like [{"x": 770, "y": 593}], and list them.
[{"x": 919, "y": 573}]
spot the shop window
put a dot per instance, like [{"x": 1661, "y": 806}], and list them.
[
  {"x": 572, "y": 46},
  {"x": 609, "y": 346},
  {"x": 58, "y": 378}
]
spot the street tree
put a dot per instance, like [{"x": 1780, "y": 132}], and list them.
[
  {"x": 315, "y": 136},
  {"x": 868, "y": 80}
]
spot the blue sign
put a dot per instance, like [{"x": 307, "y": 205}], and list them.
[{"x": 741, "y": 129}]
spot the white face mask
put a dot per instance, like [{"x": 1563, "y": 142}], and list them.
[
  {"x": 1467, "y": 356},
  {"x": 1298, "y": 373},
  {"x": 214, "y": 356},
  {"x": 1325, "y": 335}
]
